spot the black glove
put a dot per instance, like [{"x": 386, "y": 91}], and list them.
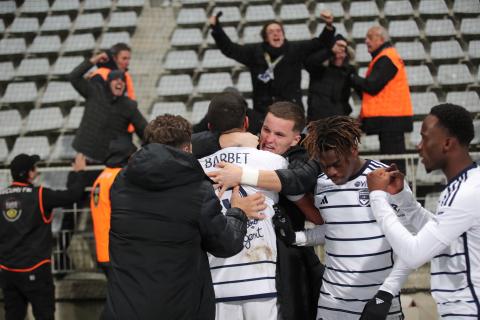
[
  {"x": 377, "y": 308},
  {"x": 283, "y": 226}
]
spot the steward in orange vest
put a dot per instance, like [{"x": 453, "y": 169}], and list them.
[
  {"x": 120, "y": 151},
  {"x": 386, "y": 104}
]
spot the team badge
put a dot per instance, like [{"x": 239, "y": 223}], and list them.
[
  {"x": 12, "y": 210},
  {"x": 364, "y": 197}
]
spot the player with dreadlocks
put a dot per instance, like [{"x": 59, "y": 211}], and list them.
[{"x": 359, "y": 261}]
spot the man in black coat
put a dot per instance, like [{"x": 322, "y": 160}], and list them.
[
  {"x": 165, "y": 217},
  {"x": 108, "y": 112},
  {"x": 26, "y": 237},
  {"x": 275, "y": 64}
]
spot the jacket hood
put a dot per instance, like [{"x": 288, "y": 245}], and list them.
[{"x": 157, "y": 167}]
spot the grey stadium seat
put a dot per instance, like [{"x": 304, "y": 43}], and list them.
[
  {"x": 259, "y": 13},
  {"x": 63, "y": 149},
  {"x": 244, "y": 82},
  {"x": 45, "y": 45},
  {"x": 362, "y": 9},
  {"x": 214, "y": 58},
  {"x": 466, "y": 7},
  {"x": 20, "y": 92},
  {"x": 33, "y": 68},
  {"x": 450, "y": 49},
  {"x": 361, "y": 53},
  {"x": 58, "y": 92},
  {"x": 419, "y": 76},
  {"x": 130, "y": 4},
  {"x": 120, "y": 20},
  {"x": 65, "y": 5},
  {"x": 181, "y": 60},
  {"x": 305, "y": 80},
  {"x": 214, "y": 82},
  {"x": 74, "y": 118},
  {"x": 339, "y": 29},
  {"x": 8, "y": 7},
  {"x": 474, "y": 49},
  {"x": 31, "y": 145},
  {"x": 423, "y": 101},
  {"x": 297, "y": 32},
  {"x": 335, "y": 7},
  {"x": 97, "y": 5},
  {"x": 56, "y": 24},
  {"x": 476, "y": 128},
  {"x": 251, "y": 34},
  {"x": 44, "y": 119},
  {"x": 111, "y": 38},
  {"x": 2, "y": 26},
  {"x": 65, "y": 65},
  {"x": 195, "y": 3},
  {"x": 186, "y": 37},
  {"x": 191, "y": 16},
  {"x": 432, "y": 7},
  {"x": 231, "y": 33},
  {"x": 24, "y": 25},
  {"x": 230, "y": 14},
  {"x": 79, "y": 43},
  {"x": 7, "y": 72},
  {"x": 403, "y": 29},
  {"x": 369, "y": 143},
  {"x": 440, "y": 28},
  {"x": 290, "y": 12},
  {"x": 453, "y": 74},
  {"x": 359, "y": 29},
  {"x": 415, "y": 137},
  {"x": 467, "y": 99},
  {"x": 175, "y": 85},
  {"x": 470, "y": 27},
  {"x": 12, "y": 46},
  {"x": 35, "y": 7},
  {"x": 10, "y": 123},
  {"x": 411, "y": 51},
  {"x": 199, "y": 111},
  {"x": 398, "y": 8},
  {"x": 89, "y": 22},
  {"x": 3, "y": 157},
  {"x": 175, "y": 108}
]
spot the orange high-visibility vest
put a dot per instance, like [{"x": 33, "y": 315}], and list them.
[
  {"x": 394, "y": 99},
  {"x": 101, "y": 211},
  {"x": 103, "y": 72}
]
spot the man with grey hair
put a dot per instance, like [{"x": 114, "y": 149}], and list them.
[{"x": 386, "y": 105}]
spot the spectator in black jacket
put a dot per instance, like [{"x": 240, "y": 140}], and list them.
[
  {"x": 330, "y": 85},
  {"x": 108, "y": 112},
  {"x": 275, "y": 64},
  {"x": 26, "y": 237},
  {"x": 165, "y": 217}
]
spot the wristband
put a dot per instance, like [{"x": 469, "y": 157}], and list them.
[{"x": 249, "y": 176}]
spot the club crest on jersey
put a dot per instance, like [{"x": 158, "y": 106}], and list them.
[
  {"x": 12, "y": 210},
  {"x": 364, "y": 197}
]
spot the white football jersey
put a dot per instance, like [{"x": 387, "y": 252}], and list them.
[
  {"x": 358, "y": 256},
  {"x": 455, "y": 272},
  {"x": 251, "y": 273}
]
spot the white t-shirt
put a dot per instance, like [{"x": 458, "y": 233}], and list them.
[{"x": 250, "y": 273}]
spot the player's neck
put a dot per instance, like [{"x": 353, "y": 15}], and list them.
[{"x": 456, "y": 164}]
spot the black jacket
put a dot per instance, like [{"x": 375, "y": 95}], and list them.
[
  {"x": 329, "y": 88},
  {"x": 165, "y": 217},
  {"x": 287, "y": 73},
  {"x": 382, "y": 72},
  {"x": 26, "y": 236},
  {"x": 106, "y": 117}
]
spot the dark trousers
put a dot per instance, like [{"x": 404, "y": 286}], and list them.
[
  {"x": 393, "y": 143},
  {"x": 36, "y": 287}
]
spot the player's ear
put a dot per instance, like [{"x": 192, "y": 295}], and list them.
[
  {"x": 246, "y": 123},
  {"x": 296, "y": 140}
]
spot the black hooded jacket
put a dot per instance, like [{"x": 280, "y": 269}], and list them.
[{"x": 165, "y": 217}]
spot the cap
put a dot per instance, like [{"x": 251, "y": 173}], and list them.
[
  {"x": 116, "y": 74},
  {"x": 21, "y": 164}
]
